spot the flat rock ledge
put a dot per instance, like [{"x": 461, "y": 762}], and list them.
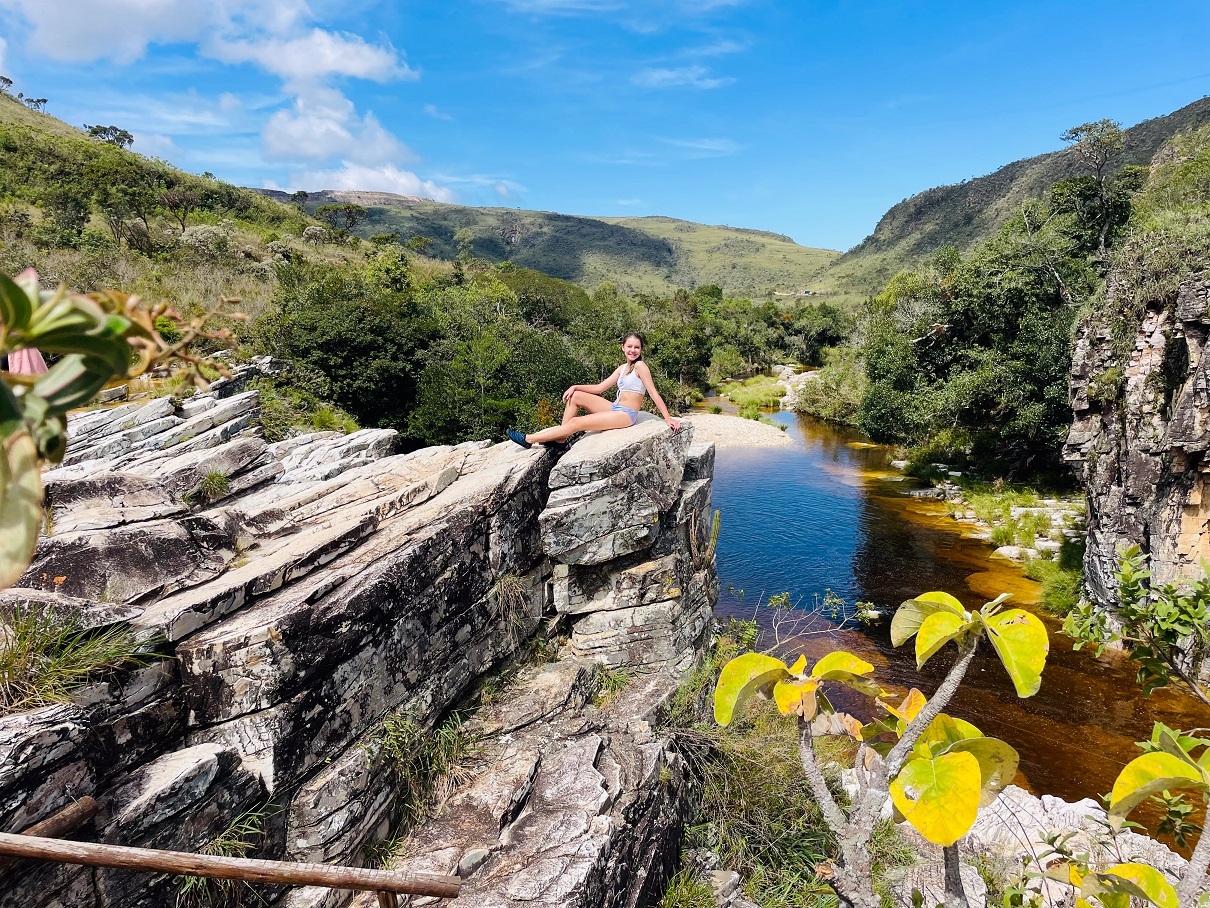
[{"x": 291, "y": 596}]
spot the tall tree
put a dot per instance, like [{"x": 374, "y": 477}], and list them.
[
  {"x": 1096, "y": 144},
  {"x": 114, "y": 135}
]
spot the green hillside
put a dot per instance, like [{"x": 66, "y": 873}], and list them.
[
  {"x": 967, "y": 212},
  {"x": 654, "y": 255}
]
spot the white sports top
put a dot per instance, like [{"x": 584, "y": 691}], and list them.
[{"x": 629, "y": 381}]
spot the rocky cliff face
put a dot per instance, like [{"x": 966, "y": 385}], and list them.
[
  {"x": 1140, "y": 437},
  {"x": 298, "y": 593}
]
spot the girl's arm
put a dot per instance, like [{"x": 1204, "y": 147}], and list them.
[
  {"x": 644, "y": 374},
  {"x": 598, "y": 388}
]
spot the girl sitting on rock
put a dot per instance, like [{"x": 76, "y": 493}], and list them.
[{"x": 633, "y": 379}]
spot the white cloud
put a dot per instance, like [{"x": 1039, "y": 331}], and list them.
[
  {"x": 437, "y": 114},
  {"x": 154, "y": 144},
  {"x": 630, "y": 202},
  {"x": 323, "y": 124},
  {"x": 315, "y": 56},
  {"x": 387, "y": 178},
  {"x": 705, "y": 148},
  {"x": 3, "y": 49},
  {"x": 688, "y": 76}
]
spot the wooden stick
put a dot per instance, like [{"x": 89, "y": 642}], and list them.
[
  {"x": 387, "y": 900},
  {"x": 59, "y": 824},
  {"x": 250, "y": 870},
  {"x": 70, "y": 817}
]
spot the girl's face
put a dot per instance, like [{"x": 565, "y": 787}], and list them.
[{"x": 632, "y": 348}]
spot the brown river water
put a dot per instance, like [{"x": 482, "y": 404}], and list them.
[{"x": 826, "y": 513}]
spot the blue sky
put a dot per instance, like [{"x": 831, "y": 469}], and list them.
[{"x": 806, "y": 118}]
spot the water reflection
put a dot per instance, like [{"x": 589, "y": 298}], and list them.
[{"x": 824, "y": 514}]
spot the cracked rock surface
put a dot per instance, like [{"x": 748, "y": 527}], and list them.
[{"x": 326, "y": 583}]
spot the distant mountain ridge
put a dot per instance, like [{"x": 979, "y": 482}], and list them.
[
  {"x": 964, "y": 213},
  {"x": 655, "y": 255}
]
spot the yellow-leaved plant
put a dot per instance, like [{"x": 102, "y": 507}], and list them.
[{"x": 936, "y": 769}]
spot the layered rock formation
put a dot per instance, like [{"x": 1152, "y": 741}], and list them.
[
  {"x": 1140, "y": 436},
  {"x": 291, "y": 596}
]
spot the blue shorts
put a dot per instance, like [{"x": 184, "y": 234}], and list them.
[{"x": 633, "y": 414}]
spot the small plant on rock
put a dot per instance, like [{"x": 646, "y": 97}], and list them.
[{"x": 936, "y": 769}]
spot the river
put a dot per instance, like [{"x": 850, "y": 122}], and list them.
[{"x": 827, "y": 513}]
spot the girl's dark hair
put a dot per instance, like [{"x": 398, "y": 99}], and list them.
[{"x": 642, "y": 343}]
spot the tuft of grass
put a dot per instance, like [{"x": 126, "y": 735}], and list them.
[
  {"x": 511, "y": 593},
  {"x": 715, "y": 409},
  {"x": 214, "y": 485},
  {"x": 1062, "y": 580},
  {"x": 687, "y": 889},
  {"x": 427, "y": 765},
  {"x": 45, "y": 655},
  {"x": 238, "y": 840},
  {"x": 611, "y": 681}
]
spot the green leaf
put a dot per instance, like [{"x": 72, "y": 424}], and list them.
[
  {"x": 15, "y": 305},
  {"x": 742, "y": 677},
  {"x": 939, "y": 797},
  {"x": 10, "y": 411},
  {"x": 911, "y": 614},
  {"x": 937, "y": 630},
  {"x": 1021, "y": 643},
  {"x": 72, "y": 381},
  {"x": 1147, "y": 775},
  {"x": 20, "y": 505},
  {"x": 998, "y": 763}
]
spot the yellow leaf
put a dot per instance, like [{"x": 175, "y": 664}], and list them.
[
  {"x": 998, "y": 763},
  {"x": 910, "y": 615},
  {"x": 742, "y": 677},
  {"x": 1021, "y": 643},
  {"x": 1146, "y": 881},
  {"x": 20, "y": 505},
  {"x": 911, "y": 705},
  {"x": 937, "y": 630},
  {"x": 835, "y": 665},
  {"x": 945, "y": 600},
  {"x": 837, "y": 724},
  {"x": 796, "y": 698},
  {"x": 939, "y": 797},
  {"x": 1147, "y": 775},
  {"x": 799, "y": 664}
]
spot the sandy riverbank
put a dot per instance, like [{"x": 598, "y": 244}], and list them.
[{"x": 735, "y": 432}]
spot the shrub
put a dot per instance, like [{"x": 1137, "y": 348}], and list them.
[{"x": 46, "y": 654}]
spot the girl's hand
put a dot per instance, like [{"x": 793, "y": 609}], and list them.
[
  {"x": 674, "y": 423},
  {"x": 569, "y": 392}
]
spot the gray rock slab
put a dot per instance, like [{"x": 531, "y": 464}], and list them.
[
  {"x": 125, "y": 564},
  {"x": 108, "y": 500},
  {"x": 603, "y": 454}
]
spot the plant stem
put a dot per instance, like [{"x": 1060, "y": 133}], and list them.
[
  {"x": 1195, "y": 873},
  {"x": 955, "y": 895},
  {"x": 852, "y": 882}
]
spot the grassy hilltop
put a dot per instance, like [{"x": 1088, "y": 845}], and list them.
[
  {"x": 653, "y": 255},
  {"x": 966, "y": 213}
]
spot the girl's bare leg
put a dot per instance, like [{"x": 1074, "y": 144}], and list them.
[
  {"x": 593, "y": 403},
  {"x": 611, "y": 419}
]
